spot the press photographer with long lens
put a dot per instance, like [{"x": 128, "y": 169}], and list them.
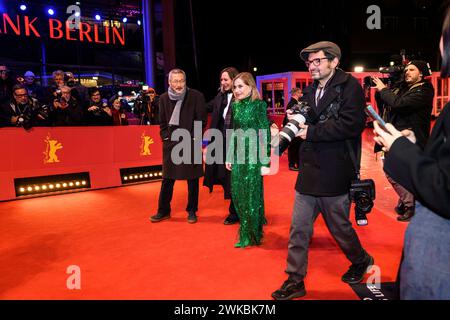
[
  {"x": 23, "y": 111},
  {"x": 408, "y": 106},
  {"x": 332, "y": 131}
]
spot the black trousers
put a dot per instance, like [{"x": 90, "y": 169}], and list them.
[{"x": 165, "y": 195}]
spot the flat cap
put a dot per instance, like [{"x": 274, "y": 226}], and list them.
[{"x": 326, "y": 46}]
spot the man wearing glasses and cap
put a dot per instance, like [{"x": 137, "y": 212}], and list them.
[{"x": 336, "y": 121}]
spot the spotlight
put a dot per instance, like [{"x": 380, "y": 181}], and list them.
[
  {"x": 124, "y": 20},
  {"x": 50, "y": 11},
  {"x": 146, "y": 175},
  {"x": 97, "y": 17},
  {"x": 77, "y": 14},
  {"x": 51, "y": 187},
  {"x": 125, "y": 178},
  {"x": 151, "y": 175},
  {"x": 64, "y": 185},
  {"x": 71, "y": 184},
  {"x": 141, "y": 176},
  {"x": 131, "y": 178},
  {"x": 30, "y": 189},
  {"x": 58, "y": 186},
  {"x": 135, "y": 176},
  {"x": 77, "y": 183},
  {"x": 139, "y": 22},
  {"x": 23, "y": 7},
  {"x": 22, "y": 190},
  {"x": 83, "y": 183},
  {"x": 44, "y": 187}
]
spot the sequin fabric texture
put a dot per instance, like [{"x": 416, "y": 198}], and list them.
[{"x": 249, "y": 150}]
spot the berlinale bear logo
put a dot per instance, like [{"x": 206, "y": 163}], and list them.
[
  {"x": 145, "y": 145},
  {"x": 52, "y": 146}
]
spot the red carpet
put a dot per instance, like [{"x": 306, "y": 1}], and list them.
[{"x": 123, "y": 256}]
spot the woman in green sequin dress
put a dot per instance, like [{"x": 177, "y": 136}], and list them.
[{"x": 249, "y": 151}]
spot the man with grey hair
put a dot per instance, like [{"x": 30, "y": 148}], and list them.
[
  {"x": 180, "y": 107},
  {"x": 331, "y": 135}
]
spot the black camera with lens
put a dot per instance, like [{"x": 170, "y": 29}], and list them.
[
  {"x": 362, "y": 193},
  {"x": 300, "y": 111}
]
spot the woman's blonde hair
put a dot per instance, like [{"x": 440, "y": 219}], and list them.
[{"x": 248, "y": 79}]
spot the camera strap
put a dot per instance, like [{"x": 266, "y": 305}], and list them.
[{"x": 355, "y": 159}]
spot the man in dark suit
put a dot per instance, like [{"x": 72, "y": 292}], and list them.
[
  {"x": 180, "y": 110},
  {"x": 294, "y": 146},
  {"x": 336, "y": 120}
]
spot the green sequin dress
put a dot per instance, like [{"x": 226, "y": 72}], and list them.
[{"x": 249, "y": 150}]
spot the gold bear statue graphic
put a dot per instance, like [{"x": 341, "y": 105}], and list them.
[
  {"x": 145, "y": 146},
  {"x": 52, "y": 147}
]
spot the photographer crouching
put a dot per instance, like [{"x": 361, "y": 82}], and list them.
[
  {"x": 408, "y": 107},
  {"x": 23, "y": 110},
  {"x": 334, "y": 123}
]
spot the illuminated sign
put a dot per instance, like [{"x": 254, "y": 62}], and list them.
[{"x": 61, "y": 30}]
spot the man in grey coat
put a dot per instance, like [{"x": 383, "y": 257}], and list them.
[{"x": 181, "y": 110}]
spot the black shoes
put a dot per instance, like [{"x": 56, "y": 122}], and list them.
[
  {"x": 290, "y": 290},
  {"x": 293, "y": 167},
  {"x": 192, "y": 217},
  {"x": 356, "y": 272},
  {"x": 159, "y": 217},
  {"x": 231, "y": 219},
  {"x": 400, "y": 209},
  {"x": 407, "y": 215}
]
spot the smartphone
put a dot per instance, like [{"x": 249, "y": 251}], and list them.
[{"x": 375, "y": 116}]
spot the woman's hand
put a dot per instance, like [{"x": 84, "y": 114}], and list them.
[{"x": 228, "y": 166}]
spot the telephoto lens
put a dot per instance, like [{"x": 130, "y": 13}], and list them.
[{"x": 287, "y": 134}]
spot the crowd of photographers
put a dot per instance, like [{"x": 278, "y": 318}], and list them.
[{"x": 65, "y": 102}]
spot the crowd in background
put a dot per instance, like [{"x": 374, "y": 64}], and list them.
[{"x": 66, "y": 102}]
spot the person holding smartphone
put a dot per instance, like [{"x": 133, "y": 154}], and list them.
[
  {"x": 408, "y": 107},
  {"x": 424, "y": 271}
]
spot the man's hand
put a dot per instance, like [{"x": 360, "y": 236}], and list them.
[
  {"x": 303, "y": 131},
  {"x": 93, "y": 108},
  {"x": 289, "y": 114},
  {"x": 14, "y": 120},
  {"x": 56, "y": 104},
  {"x": 379, "y": 85},
  {"x": 108, "y": 111}
]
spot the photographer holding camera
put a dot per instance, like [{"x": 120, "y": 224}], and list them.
[
  {"x": 408, "y": 107},
  {"x": 66, "y": 111},
  {"x": 23, "y": 111},
  {"x": 147, "y": 107},
  {"x": 97, "y": 111},
  {"x": 335, "y": 122}
]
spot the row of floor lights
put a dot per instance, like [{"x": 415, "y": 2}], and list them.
[
  {"x": 142, "y": 176},
  {"x": 52, "y": 186}
]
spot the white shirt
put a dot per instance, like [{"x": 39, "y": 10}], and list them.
[{"x": 225, "y": 111}]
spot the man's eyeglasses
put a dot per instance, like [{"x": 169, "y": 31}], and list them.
[
  {"x": 178, "y": 81},
  {"x": 316, "y": 62}
]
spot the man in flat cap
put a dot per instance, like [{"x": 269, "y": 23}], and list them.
[
  {"x": 336, "y": 120},
  {"x": 408, "y": 107}
]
